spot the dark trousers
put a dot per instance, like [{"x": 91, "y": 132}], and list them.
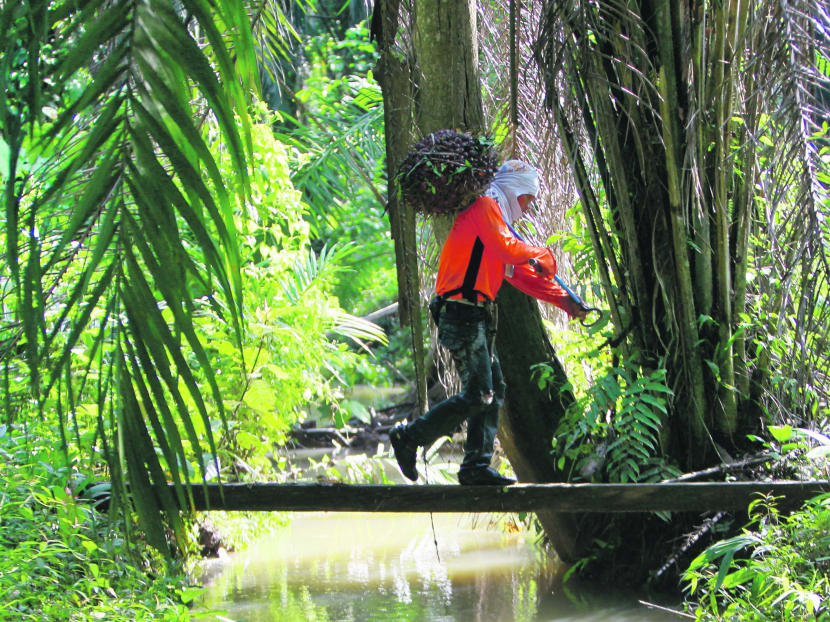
[{"x": 469, "y": 334}]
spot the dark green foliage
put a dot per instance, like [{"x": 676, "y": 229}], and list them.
[
  {"x": 60, "y": 559},
  {"x": 128, "y": 221},
  {"x": 778, "y": 568},
  {"x": 445, "y": 171}
]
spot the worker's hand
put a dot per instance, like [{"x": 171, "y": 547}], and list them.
[{"x": 577, "y": 312}]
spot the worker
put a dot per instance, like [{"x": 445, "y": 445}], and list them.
[{"x": 479, "y": 253}]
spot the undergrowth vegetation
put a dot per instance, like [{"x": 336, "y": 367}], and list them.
[
  {"x": 60, "y": 559},
  {"x": 777, "y": 568}
]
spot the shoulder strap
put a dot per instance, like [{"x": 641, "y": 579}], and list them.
[{"x": 468, "y": 286}]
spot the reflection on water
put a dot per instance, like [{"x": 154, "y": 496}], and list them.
[{"x": 388, "y": 567}]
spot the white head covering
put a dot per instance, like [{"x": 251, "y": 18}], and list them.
[{"x": 513, "y": 179}]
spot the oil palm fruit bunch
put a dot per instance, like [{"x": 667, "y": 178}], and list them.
[{"x": 445, "y": 171}]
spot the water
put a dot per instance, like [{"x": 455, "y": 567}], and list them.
[{"x": 387, "y": 567}]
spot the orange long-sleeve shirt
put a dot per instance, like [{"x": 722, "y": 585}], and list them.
[
  {"x": 483, "y": 220},
  {"x": 544, "y": 288}
]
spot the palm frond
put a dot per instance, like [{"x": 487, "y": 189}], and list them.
[
  {"x": 119, "y": 222},
  {"x": 358, "y": 329},
  {"x": 305, "y": 270},
  {"x": 342, "y": 150}
]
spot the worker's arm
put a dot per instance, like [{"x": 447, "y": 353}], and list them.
[{"x": 545, "y": 288}]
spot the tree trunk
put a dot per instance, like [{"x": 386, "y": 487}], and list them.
[
  {"x": 530, "y": 416},
  {"x": 446, "y": 49},
  {"x": 394, "y": 72},
  {"x": 448, "y": 82}
]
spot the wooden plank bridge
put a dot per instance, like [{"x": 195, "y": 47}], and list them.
[{"x": 603, "y": 498}]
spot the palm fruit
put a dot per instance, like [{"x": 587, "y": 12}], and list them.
[{"x": 444, "y": 172}]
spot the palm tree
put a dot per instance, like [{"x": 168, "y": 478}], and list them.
[
  {"x": 700, "y": 120},
  {"x": 113, "y": 189},
  {"x": 120, "y": 228},
  {"x": 693, "y": 131}
]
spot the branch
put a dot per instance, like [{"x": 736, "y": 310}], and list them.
[{"x": 721, "y": 468}]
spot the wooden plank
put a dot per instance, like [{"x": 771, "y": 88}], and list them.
[{"x": 685, "y": 496}]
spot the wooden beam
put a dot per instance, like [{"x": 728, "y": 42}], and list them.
[{"x": 681, "y": 497}]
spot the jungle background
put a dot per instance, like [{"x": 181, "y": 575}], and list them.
[{"x": 198, "y": 234}]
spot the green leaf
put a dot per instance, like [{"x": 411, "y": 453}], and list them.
[
  {"x": 356, "y": 409},
  {"x": 781, "y": 433},
  {"x": 97, "y": 33},
  {"x": 162, "y": 95},
  {"x": 644, "y": 440},
  {"x": 660, "y": 388},
  {"x": 739, "y": 577},
  {"x": 152, "y": 177},
  {"x": 166, "y": 32},
  {"x": 137, "y": 293},
  {"x": 260, "y": 396},
  {"x": 82, "y": 321},
  {"x": 149, "y": 412},
  {"x": 357, "y": 329},
  {"x": 713, "y": 367},
  {"x": 725, "y": 564},
  {"x": 190, "y": 594},
  {"x": 134, "y": 450},
  {"x": 648, "y": 417},
  {"x": 184, "y": 169},
  {"x": 654, "y": 401},
  {"x": 144, "y": 324},
  {"x": 99, "y": 186},
  {"x": 730, "y": 545},
  {"x": 108, "y": 122}
]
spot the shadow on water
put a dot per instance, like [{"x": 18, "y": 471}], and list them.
[{"x": 394, "y": 567}]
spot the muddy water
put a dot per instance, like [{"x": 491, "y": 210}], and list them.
[{"x": 395, "y": 567}]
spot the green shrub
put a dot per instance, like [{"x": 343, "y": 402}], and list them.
[
  {"x": 777, "y": 569},
  {"x": 62, "y": 560},
  {"x": 611, "y": 432}
]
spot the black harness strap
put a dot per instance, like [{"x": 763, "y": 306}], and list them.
[{"x": 468, "y": 286}]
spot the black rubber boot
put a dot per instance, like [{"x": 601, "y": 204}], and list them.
[
  {"x": 483, "y": 477},
  {"x": 405, "y": 452}
]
